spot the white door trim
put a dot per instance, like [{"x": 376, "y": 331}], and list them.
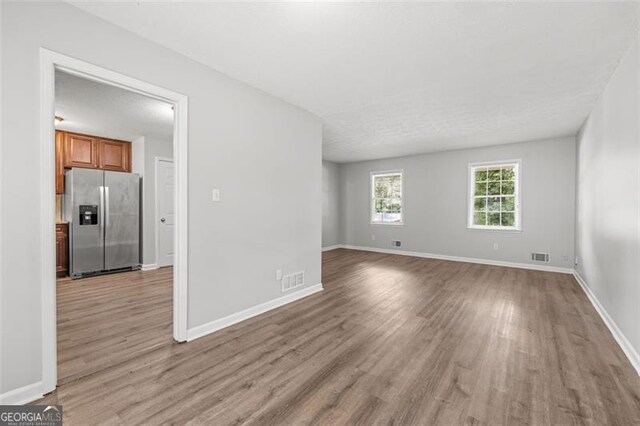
[
  {"x": 49, "y": 62},
  {"x": 157, "y": 215}
]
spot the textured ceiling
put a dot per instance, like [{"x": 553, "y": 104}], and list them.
[
  {"x": 102, "y": 110},
  {"x": 391, "y": 79}
]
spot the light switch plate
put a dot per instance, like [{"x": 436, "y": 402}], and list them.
[{"x": 215, "y": 194}]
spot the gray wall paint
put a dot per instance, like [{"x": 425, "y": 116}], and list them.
[
  {"x": 608, "y": 201},
  {"x": 264, "y": 154},
  {"x": 153, "y": 148},
  {"x": 331, "y": 232},
  {"x": 435, "y": 203}
]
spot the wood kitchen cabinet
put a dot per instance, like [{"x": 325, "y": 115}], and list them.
[
  {"x": 114, "y": 155},
  {"x": 62, "y": 249},
  {"x": 59, "y": 162},
  {"x": 92, "y": 152},
  {"x": 80, "y": 151}
]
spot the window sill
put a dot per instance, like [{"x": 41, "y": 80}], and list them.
[
  {"x": 387, "y": 223},
  {"x": 494, "y": 229}
]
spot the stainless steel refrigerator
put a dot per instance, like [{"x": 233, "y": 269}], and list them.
[{"x": 103, "y": 211}]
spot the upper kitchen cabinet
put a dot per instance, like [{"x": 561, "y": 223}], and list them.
[
  {"x": 80, "y": 151},
  {"x": 114, "y": 155},
  {"x": 92, "y": 152}
]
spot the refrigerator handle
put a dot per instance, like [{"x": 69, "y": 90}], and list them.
[
  {"x": 101, "y": 213},
  {"x": 106, "y": 206}
]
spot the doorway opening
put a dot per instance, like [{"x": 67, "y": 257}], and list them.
[{"x": 106, "y": 298}]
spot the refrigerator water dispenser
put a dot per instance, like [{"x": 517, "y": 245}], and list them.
[{"x": 88, "y": 215}]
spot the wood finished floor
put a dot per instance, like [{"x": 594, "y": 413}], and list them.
[
  {"x": 391, "y": 340},
  {"x": 106, "y": 320}
]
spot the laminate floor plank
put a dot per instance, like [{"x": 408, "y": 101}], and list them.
[
  {"x": 391, "y": 340},
  {"x": 109, "y": 319}
]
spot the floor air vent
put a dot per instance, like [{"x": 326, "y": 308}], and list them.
[
  {"x": 540, "y": 257},
  {"x": 292, "y": 281}
]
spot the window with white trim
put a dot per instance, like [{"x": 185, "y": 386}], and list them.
[
  {"x": 494, "y": 196},
  {"x": 386, "y": 198}
]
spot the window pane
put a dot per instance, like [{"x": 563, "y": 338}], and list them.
[
  {"x": 382, "y": 205},
  {"x": 377, "y": 206},
  {"x": 494, "y": 188},
  {"x": 481, "y": 188},
  {"x": 395, "y": 206},
  {"x": 493, "y": 219},
  {"x": 481, "y": 175},
  {"x": 508, "y": 173},
  {"x": 508, "y": 219},
  {"x": 508, "y": 188},
  {"x": 388, "y": 186},
  {"x": 396, "y": 186},
  {"x": 391, "y": 217},
  {"x": 494, "y": 174},
  {"x": 493, "y": 204},
  {"x": 508, "y": 204},
  {"x": 480, "y": 204},
  {"x": 480, "y": 218},
  {"x": 381, "y": 189}
]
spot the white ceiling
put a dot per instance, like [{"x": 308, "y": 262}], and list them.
[
  {"x": 391, "y": 79},
  {"x": 98, "y": 109}
]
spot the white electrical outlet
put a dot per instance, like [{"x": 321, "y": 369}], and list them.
[
  {"x": 496, "y": 246},
  {"x": 373, "y": 237},
  {"x": 215, "y": 195},
  {"x": 278, "y": 274}
]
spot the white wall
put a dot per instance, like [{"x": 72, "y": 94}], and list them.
[
  {"x": 435, "y": 203},
  {"x": 137, "y": 156},
  {"x": 331, "y": 232},
  {"x": 608, "y": 200},
  {"x": 264, "y": 155}
]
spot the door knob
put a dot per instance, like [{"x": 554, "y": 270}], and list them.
[{"x": 163, "y": 220}]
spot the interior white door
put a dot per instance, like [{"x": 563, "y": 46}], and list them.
[{"x": 165, "y": 190}]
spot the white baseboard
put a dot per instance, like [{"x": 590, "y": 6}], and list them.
[
  {"x": 149, "y": 267},
  {"x": 232, "y": 319},
  {"x": 329, "y": 248},
  {"x": 464, "y": 259},
  {"x": 22, "y": 395},
  {"x": 624, "y": 344}
]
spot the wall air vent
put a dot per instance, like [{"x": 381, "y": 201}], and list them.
[
  {"x": 396, "y": 243},
  {"x": 292, "y": 280},
  {"x": 541, "y": 257}
]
